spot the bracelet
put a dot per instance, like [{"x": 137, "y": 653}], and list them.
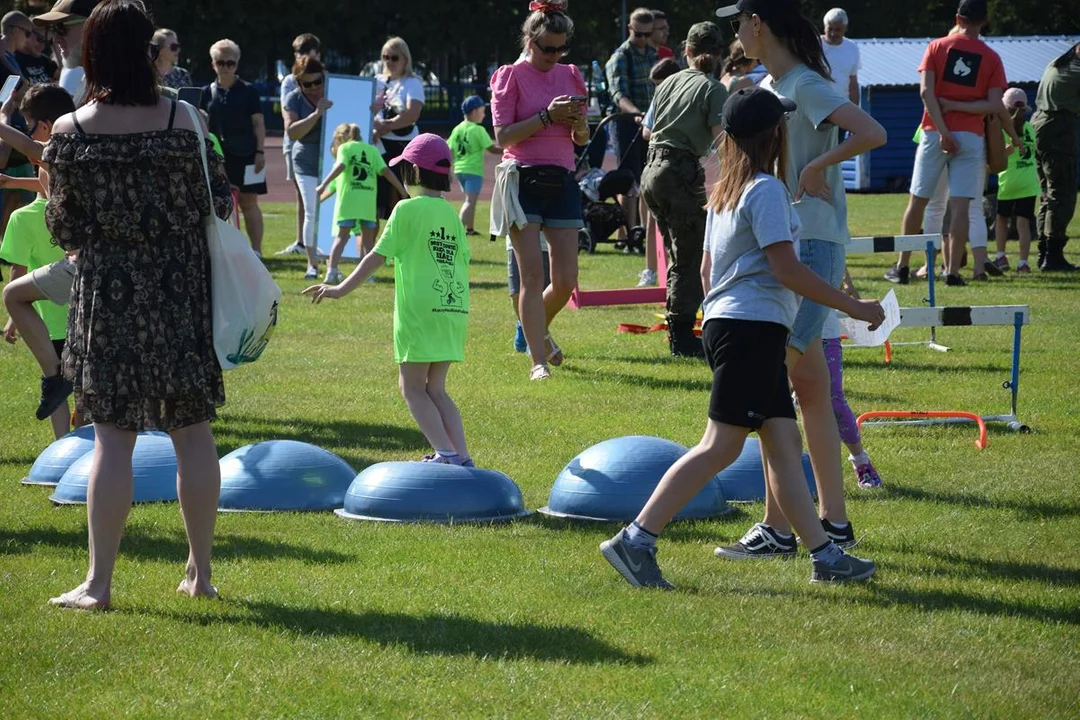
[{"x": 545, "y": 118}]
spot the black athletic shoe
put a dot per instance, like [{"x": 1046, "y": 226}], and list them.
[
  {"x": 54, "y": 392},
  {"x": 992, "y": 269},
  {"x": 843, "y": 537},
  {"x": 760, "y": 541},
  {"x": 898, "y": 275},
  {"x": 845, "y": 569},
  {"x": 955, "y": 281},
  {"x": 638, "y": 566}
]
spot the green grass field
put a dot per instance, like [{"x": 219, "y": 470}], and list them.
[{"x": 975, "y": 610}]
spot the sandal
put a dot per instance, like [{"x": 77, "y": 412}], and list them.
[
  {"x": 540, "y": 372},
  {"x": 555, "y": 354}
]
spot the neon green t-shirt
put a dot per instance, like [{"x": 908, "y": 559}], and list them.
[
  {"x": 217, "y": 144},
  {"x": 356, "y": 185},
  {"x": 27, "y": 242},
  {"x": 1020, "y": 179},
  {"x": 426, "y": 240},
  {"x": 468, "y": 142}
]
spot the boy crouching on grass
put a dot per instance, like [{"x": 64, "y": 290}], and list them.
[{"x": 38, "y": 294}]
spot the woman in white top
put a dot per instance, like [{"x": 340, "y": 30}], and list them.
[{"x": 402, "y": 95}]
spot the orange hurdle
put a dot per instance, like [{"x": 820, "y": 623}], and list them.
[{"x": 916, "y": 415}]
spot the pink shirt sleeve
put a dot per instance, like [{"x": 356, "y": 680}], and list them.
[
  {"x": 504, "y": 96},
  {"x": 579, "y": 82}
]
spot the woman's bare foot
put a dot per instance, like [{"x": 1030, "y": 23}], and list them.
[
  {"x": 195, "y": 589},
  {"x": 81, "y": 598}
]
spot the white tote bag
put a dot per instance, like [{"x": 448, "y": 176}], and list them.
[{"x": 244, "y": 295}]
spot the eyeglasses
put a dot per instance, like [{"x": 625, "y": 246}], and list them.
[
  {"x": 391, "y": 58},
  {"x": 560, "y": 50},
  {"x": 313, "y": 84},
  {"x": 33, "y": 129},
  {"x": 639, "y": 34},
  {"x": 175, "y": 47},
  {"x": 225, "y": 63}
]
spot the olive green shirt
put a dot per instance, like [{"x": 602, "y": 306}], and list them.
[
  {"x": 687, "y": 106},
  {"x": 1059, "y": 89}
]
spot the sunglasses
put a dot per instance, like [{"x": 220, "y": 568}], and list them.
[
  {"x": 40, "y": 38},
  {"x": 552, "y": 49},
  {"x": 225, "y": 63},
  {"x": 175, "y": 47},
  {"x": 313, "y": 84},
  {"x": 391, "y": 58},
  {"x": 638, "y": 34},
  {"x": 735, "y": 23}
]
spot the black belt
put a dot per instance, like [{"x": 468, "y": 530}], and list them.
[{"x": 661, "y": 151}]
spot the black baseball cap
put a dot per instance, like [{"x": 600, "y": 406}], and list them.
[
  {"x": 973, "y": 10},
  {"x": 66, "y": 10},
  {"x": 751, "y": 110},
  {"x": 767, "y": 10}
]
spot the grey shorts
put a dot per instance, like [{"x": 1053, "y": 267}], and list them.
[
  {"x": 827, "y": 260},
  {"x": 54, "y": 281},
  {"x": 513, "y": 274},
  {"x": 964, "y": 168}
]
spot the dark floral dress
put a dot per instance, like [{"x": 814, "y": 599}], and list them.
[{"x": 140, "y": 347}]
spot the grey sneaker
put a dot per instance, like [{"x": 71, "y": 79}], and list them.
[
  {"x": 848, "y": 568},
  {"x": 760, "y": 541},
  {"x": 636, "y": 565}
]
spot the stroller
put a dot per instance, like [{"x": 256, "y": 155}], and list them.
[{"x": 602, "y": 218}]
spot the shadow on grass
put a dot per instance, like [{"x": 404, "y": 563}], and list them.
[
  {"x": 1029, "y": 509},
  {"x": 645, "y": 381},
  {"x": 235, "y": 430},
  {"x": 170, "y": 547},
  {"x": 965, "y": 566},
  {"x": 432, "y": 634}
]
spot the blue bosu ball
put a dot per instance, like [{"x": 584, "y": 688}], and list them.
[
  {"x": 153, "y": 465},
  {"x": 432, "y": 492},
  {"x": 611, "y": 481},
  {"x": 744, "y": 479},
  {"x": 55, "y": 460},
  {"x": 283, "y": 475}
]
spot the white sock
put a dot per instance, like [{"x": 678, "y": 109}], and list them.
[
  {"x": 830, "y": 554},
  {"x": 1000, "y": 255},
  {"x": 860, "y": 459},
  {"x": 1022, "y": 263}
]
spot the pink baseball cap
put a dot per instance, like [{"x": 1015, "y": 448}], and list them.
[
  {"x": 427, "y": 151},
  {"x": 1014, "y": 96}
]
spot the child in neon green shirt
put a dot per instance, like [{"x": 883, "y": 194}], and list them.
[
  {"x": 1018, "y": 186},
  {"x": 427, "y": 242},
  {"x": 354, "y": 180},
  {"x": 468, "y": 142}
]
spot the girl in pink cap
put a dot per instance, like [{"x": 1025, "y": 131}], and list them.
[{"x": 426, "y": 239}]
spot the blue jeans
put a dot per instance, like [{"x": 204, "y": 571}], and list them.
[{"x": 827, "y": 260}]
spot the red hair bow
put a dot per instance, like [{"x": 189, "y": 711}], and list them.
[{"x": 547, "y": 7}]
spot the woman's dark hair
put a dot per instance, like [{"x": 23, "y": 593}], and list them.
[
  {"x": 743, "y": 158},
  {"x": 116, "y": 55},
  {"x": 662, "y": 70},
  {"x": 737, "y": 58},
  {"x": 427, "y": 178},
  {"x": 305, "y": 43},
  {"x": 46, "y": 103},
  {"x": 307, "y": 65},
  {"x": 801, "y": 36}
]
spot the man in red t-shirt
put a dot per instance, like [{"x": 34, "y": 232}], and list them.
[
  {"x": 660, "y": 31},
  {"x": 963, "y": 81}
]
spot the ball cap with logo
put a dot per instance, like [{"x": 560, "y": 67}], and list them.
[
  {"x": 66, "y": 10},
  {"x": 751, "y": 110},
  {"x": 768, "y": 10},
  {"x": 428, "y": 152}
]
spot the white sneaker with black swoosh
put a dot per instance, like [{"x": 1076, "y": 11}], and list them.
[
  {"x": 845, "y": 568},
  {"x": 637, "y": 565}
]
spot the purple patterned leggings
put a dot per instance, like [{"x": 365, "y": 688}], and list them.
[{"x": 845, "y": 419}]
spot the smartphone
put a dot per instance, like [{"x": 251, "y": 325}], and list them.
[
  {"x": 190, "y": 95},
  {"x": 579, "y": 98},
  {"x": 10, "y": 86}
]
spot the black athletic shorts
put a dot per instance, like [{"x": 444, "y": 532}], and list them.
[
  {"x": 750, "y": 383},
  {"x": 1020, "y": 207}
]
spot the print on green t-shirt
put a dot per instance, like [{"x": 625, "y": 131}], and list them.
[
  {"x": 357, "y": 184},
  {"x": 27, "y": 242},
  {"x": 468, "y": 142},
  {"x": 1020, "y": 179},
  {"x": 426, "y": 240}
]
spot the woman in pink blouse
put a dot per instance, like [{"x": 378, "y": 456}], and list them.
[{"x": 538, "y": 110}]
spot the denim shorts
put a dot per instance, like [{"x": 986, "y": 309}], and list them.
[
  {"x": 827, "y": 260},
  {"x": 561, "y": 211},
  {"x": 470, "y": 184},
  {"x": 363, "y": 223},
  {"x": 513, "y": 274}
]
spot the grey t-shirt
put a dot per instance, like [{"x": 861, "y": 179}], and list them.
[
  {"x": 306, "y": 150},
  {"x": 809, "y": 136},
  {"x": 288, "y": 84},
  {"x": 743, "y": 286}
]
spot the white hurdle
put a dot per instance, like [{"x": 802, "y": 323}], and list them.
[
  {"x": 905, "y": 243},
  {"x": 933, "y": 317}
]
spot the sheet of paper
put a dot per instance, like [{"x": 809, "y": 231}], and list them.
[
  {"x": 254, "y": 178},
  {"x": 859, "y": 333}
]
